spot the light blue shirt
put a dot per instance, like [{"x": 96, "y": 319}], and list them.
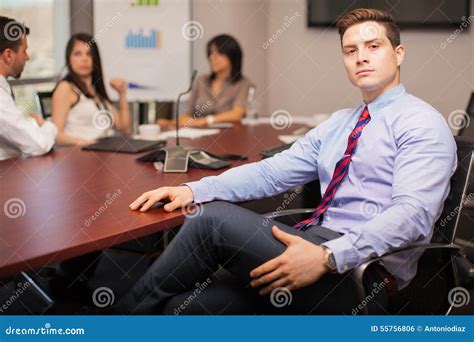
[{"x": 392, "y": 194}]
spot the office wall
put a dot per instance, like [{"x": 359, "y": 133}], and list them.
[
  {"x": 305, "y": 73},
  {"x": 246, "y": 21},
  {"x": 300, "y": 69},
  {"x": 81, "y": 13}
]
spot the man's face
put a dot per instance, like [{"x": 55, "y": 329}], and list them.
[
  {"x": 370, "y": 60},
  {"x": 19, "y": 59}
]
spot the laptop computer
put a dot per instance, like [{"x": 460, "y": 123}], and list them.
[
  {"x": 124, "y": 145},
  {"x": 274, "y": 150}
]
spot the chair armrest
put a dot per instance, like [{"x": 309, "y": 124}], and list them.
[
  {"x": 462, "y": 263},
  {"x": 288, "y": 212},
  {"x": 359, "y": 271},
  {"x": 466, "y": 271}
]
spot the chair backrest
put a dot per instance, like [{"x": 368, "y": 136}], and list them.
[
  {"x": 428, "y": 291},
  {"x": 445, "y": 227},
  {"x": 467, "y": 130},
  {"x": 43, "y": 100}
]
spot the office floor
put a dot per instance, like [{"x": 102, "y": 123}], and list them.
[{"x": 115, "y": 271}]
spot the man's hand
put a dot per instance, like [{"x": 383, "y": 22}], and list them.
[
  {"x": 299, "y": 266},
  {"x": 179, "y": 196},
  {"x": 39, "y": 119}
]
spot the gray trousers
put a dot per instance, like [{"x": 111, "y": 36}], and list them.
[{"x": 225, "y": 236}]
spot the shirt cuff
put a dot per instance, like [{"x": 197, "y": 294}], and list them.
[
  {"x": 201, "y": 191},
  {"x": 344, "y": 253}
]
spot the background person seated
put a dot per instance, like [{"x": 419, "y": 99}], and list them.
[
  {"x": 81, "y": 108},
  {"x": 220, "y": 96},
  {"x": 18, "y": 134}
]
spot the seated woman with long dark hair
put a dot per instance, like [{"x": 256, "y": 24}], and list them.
[
  {"x": 220, "y": 96},
  {"x": 81, "y": 108}
]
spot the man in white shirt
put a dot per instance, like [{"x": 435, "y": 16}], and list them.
[{"x": 18, "y": 134}]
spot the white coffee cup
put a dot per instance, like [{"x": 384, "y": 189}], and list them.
[{"x": 149, "y": 131}]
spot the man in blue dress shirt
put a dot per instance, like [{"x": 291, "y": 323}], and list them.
[{"x": 384, "y": 169}]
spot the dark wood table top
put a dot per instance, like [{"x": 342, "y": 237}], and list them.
[{"x": 48, "y": 201}]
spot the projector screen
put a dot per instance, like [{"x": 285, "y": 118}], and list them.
[{"x": 144, "y": 41}]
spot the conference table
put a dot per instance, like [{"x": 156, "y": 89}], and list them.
[{"x": 71, "y": 202}]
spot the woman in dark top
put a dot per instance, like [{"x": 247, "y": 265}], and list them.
[{"x": 220, "y": 96}]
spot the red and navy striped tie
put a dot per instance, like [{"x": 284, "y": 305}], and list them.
[{"x": 340, "y": 171}]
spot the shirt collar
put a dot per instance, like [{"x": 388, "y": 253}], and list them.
[{"x": 385, "y": 98}]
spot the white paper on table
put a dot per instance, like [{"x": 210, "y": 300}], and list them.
[
  {"x": 190, "y": 133},
  {"x": 289, "y": 139},
  {"x": 302, "y": 120}
]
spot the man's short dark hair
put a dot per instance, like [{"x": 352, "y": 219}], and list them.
[
  {"x": 11, "y": 32},
  {"x": 361, "y": 15}
]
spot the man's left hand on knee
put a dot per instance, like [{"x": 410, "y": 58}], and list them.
[{"x": 299, "y": 266}]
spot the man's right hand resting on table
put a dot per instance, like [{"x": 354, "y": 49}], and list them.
[{"x": 179, "y": 196}]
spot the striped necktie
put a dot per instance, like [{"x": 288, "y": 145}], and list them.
[{"x": 340, "y": 171}]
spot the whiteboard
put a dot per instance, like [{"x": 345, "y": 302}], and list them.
[{"x": 143, "y": 42}]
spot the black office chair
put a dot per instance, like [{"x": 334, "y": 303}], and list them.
[
  {"x": 467, "y": 130},
  {"x": 43, "y": 101},
  {"x": 442, "y": 267}
]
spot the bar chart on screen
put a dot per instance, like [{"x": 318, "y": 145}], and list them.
[
  {"x": 145, "y": 3},
  {"x": 141, "y": 40}
]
